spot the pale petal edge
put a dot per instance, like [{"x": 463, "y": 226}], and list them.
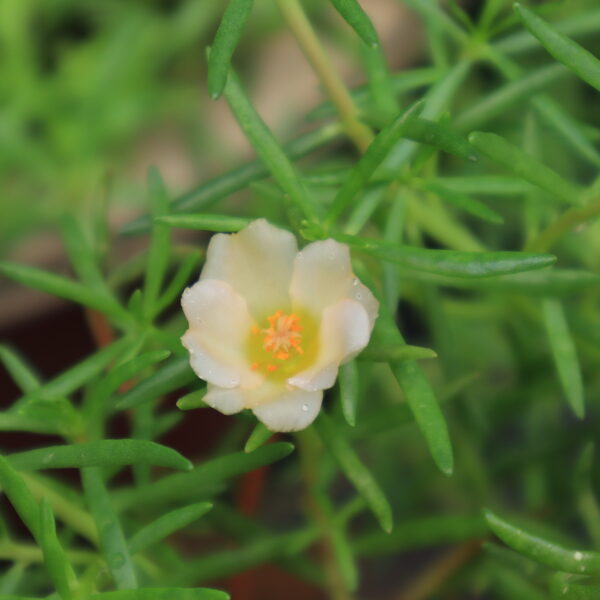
[
  {"x": 257, "y": 262},
  {"x": 291, "y": 410},
  {"x": 219, "y": 323},
  {"x": 226, "y": 401},
  {"x": 345, "y": 331},
  {"x": 294, "y": 410}
]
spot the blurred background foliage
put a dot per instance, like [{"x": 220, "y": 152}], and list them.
[
  {"x": 89, "y": 90},
  {"x": 83, "y": 86}
]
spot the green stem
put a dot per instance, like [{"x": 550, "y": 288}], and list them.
[
  {"x": 28, "y": 553},
  {"x": 310, "y": 455},
  {"x": 73, "y": 516},
  {"x": 567, "y": 222},
  {"x": 360, "y": 134},
  {"x": 111, "y": 537}
]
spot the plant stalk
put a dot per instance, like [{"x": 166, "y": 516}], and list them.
[
  {"x": 295, "y": 17},
  {"x": 567, "y": 222},
  {"x": 310, "y": 454}
]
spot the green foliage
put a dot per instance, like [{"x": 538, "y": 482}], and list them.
[
  {"x": 349, "y": 390},
  {"x": 62, "y": 287},
  {"x": 481, "y": 246},
  {"x": 164, "y": 594},
  {"x": 268, "y": 149},
  {"x": 571, "y": 54},
  {"x": 356, "y": 17},
  {"x": 83, "y": 94},
  {"x": 172, "y": 376},
  {"x": 97, "y": 454},
  {"x": 22, "y": 373},
  {"x": 166, "y": 525},
  {"x": 112, "y": 542},
  {"x": 259, "y": 436},
  {"x": 203, "y": 477},
  {"x": 58, "y": 566},
  {"x": 355, "y": 471},
  {"x": 158, "y": 253},
  {"x": 546, "y": 552},
  {"x": 20, "y": 497},
  {"x": 565, "y": 355},
  {"x": 226, "y": 39},
  {"x": 451, "y": 262},
  {"x": 372, "y": 158},
  {"x": 223, "y": 223},
  {"x": 524, "y": 165}
]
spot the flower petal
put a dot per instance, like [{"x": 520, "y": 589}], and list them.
[
  {"x": 322, "y": 271},
  {"x": 257, "y": 262},
  {"x": 345, "y": 331},
  {"x": 323, "y": 276},
  {"x": 362, "y": 294},
  {"x": 219, "y": 326},
  {"x": 293, "y": 410},
  {"x": 226, "y": 401}
]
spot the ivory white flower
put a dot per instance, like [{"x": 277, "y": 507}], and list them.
[{"x": 269, "y": 326}]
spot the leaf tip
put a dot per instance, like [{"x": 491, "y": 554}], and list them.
[
  {"x": 350, "y": 419},
  {"x": 445, "y": 462},
  {"x": 473, "y": 137},
  {"x": 489, "y": 516},
  {"x": 447, "y": 470},
  {"x": 216, "y": 82},
  {"x": 579, "y": 411},
  {"x": 287, "y": 448}
]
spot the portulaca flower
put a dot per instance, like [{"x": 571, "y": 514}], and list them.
[{"x": 269, "y": 326}]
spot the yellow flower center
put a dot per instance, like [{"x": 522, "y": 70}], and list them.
[{"x": 286, "y": 345}]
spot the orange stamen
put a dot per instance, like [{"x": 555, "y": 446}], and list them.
[
  {"x": 282, "y": 339},
  {"x": 282, "y": 335}
]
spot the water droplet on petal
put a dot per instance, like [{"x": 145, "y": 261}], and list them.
[
  {"x": 305, "y": 407},
  {"x": 355, "y": 281}
]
